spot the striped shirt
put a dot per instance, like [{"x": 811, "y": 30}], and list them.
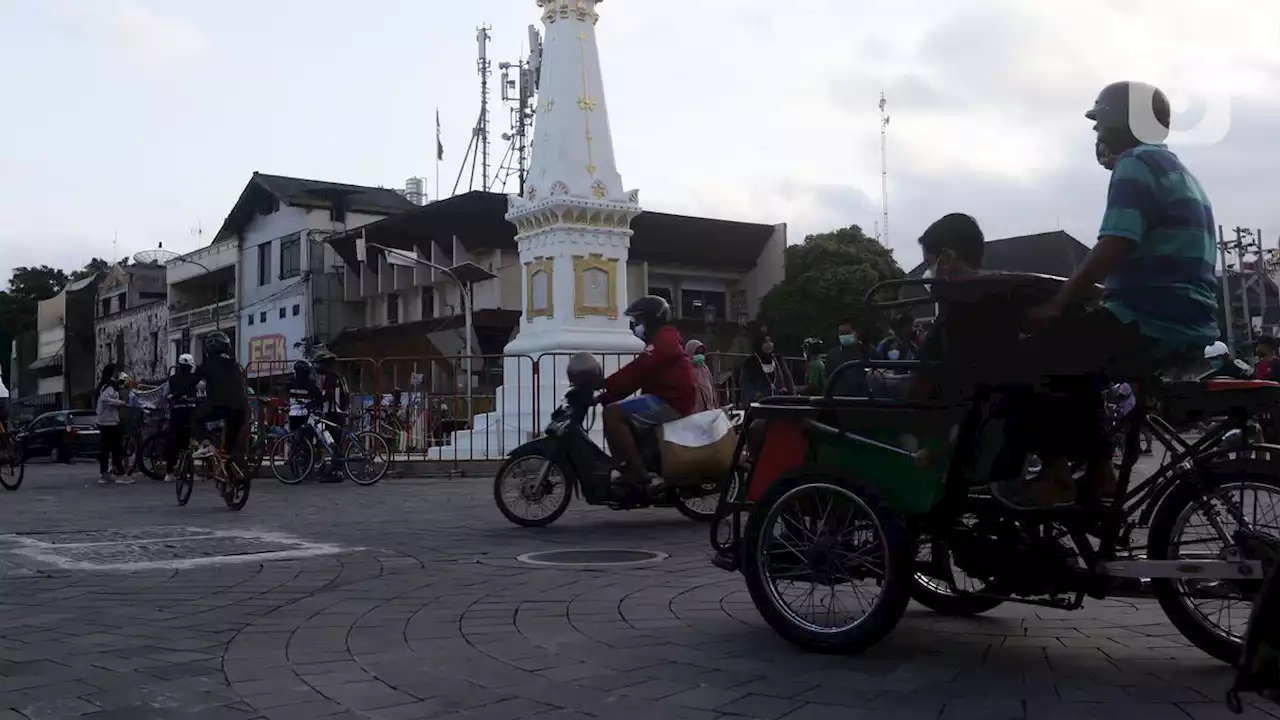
[{"x": 1167, "y": 284}]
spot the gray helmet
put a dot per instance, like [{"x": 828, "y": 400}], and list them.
[
  {"x": 1127, "y": 114},
  {"x": 217, "y": 343}
]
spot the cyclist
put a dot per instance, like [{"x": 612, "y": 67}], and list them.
[
  {"x": 662, "y": 373},
  {"x": 226, "y": 396},
  {"x": 304, "y": 395},
  {"x": 182, "y": 399},
  {"x": 1155, "y": 251},
  {"x": 336, "y": 405}
]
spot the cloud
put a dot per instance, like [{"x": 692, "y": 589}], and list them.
[{"x": 142, "y": 35}]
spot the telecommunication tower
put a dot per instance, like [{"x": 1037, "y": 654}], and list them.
[
  {"x": 478, "y": 148},
  {"x": 519, "y": 93},
  {"x": 884, "y": 172}
]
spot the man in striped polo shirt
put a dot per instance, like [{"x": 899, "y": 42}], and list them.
[{"x": 1155, "y": 257}]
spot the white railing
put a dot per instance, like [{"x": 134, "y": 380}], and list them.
[{"x": 224, "y": 311}]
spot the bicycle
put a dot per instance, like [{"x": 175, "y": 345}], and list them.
[
  {"x": 228, "y": 474},
  {"x": 13, "y": 461},
  {"x": 358, "y": 456}
]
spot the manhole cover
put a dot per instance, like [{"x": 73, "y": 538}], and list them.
[
  {"x": 160, "y": 547},
  {"x": 593, "y": 558}
]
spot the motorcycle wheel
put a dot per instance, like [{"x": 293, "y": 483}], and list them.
[
  {"x": 549, "y": 473},
  {"x": 702, "y": 508},
  {"x": 938, "y": 595}
]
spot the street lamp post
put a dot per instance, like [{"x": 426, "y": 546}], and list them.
[{"x": 464, "y": 291}]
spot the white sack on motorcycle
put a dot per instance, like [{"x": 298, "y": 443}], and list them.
[{"x": 697, "y": 448}]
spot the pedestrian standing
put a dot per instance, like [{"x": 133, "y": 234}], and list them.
[
  {"x": 109, "y": 438},
  {"x": 702, "y": 379}
]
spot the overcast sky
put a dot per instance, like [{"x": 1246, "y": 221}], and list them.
[{"x": 146, "y": 117}]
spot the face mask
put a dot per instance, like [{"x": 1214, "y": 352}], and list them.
[
  {"x": 699, "y": 359},
  {"x": 638, "y": 331},
  {"x": 847, "y": 340}
]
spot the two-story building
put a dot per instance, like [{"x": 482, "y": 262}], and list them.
[
  {"x": 202, "y": 297},
  {"x": 713, "y": 272},
  {"x": 64, "y": 369},
  {"x": 288, "y": 283},
  {"x": 131, "y": 324}
]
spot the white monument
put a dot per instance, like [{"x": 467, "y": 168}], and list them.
[{"x": 573, "y": 228}]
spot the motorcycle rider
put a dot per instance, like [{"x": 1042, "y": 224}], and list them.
[
  {"x": 662, "y": 373},
  {"x": 182, "y": 400},
  {"x": 1155, "y": 252},
  {"x": 226, "y": 397},
  {"x": 336, "y": 405}
]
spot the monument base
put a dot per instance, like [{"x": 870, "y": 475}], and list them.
[{"x": 534, "y": 384}]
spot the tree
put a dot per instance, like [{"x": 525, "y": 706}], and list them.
[
  {"x": 827, "y": 277},
  {"x": 27, "y": 287},
  {"x": 91, "y": 268}
]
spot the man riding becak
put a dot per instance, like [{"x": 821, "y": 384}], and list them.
[{"x": 663, "y": 375}]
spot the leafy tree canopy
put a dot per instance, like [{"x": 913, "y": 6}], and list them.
[{"x": 827, "y": 277}]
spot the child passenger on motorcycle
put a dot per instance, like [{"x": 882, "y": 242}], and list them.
[{"x": 663, "y": 375}]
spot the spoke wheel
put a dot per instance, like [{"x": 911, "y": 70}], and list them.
[
  {"x": 944, "y": 588},
  {"x": 235, "y": 489},
  {"x": 366, "y": 457},
  {"x": 292, "y": 458},
  {"x": 1189, "y": 524},
  {"x": 13, "y": 464},
  {"x": 186, "y": 478},
  {"x": 827, "y": 564},
  {"x": 531, "y": 491},
  {"x": 151, "y": 458}
]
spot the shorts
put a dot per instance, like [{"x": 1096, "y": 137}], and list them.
[{"x": 647, "y": 411}]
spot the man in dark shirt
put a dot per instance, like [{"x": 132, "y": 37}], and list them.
[
  {"x": 226, "y": 396},
  {"x": 336, "y": 405},
  {"x": 953, "y": 247},
  {"x": 852, "y": 382}
]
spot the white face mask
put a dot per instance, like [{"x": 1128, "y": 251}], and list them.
[{"x": 638, "y": 331}]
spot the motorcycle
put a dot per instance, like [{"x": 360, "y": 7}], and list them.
[{"x": 547, "y": 471}]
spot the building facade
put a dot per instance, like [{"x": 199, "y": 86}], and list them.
[
  {"x": 288, "y": 280},
  {"x": 202, "y": 298},
  {"x": 131, "y": 323},
  {"x": 62, "y": 372}
]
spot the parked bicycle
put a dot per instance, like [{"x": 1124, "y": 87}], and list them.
[{"x": 364, "y": 456}]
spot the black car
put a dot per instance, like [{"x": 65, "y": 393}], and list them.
[{"x": 61, "y": 436}]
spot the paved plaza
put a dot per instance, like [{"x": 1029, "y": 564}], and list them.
[{"x": 405, "y": 600}]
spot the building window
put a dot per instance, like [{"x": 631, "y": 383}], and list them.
[
  {"x": 155, "y": 348},
  {"x": 283, "y": 313},
  {"x": 296, "y": 309},
  {"x": 124, "y": 302},
  {"x": 338, "y": 213},
  {"x": 291, "y": 257},
  {"x": 264, "y": 264},
  {"x": 393, "y": 308},
  {"x": 105, "y": 307},
  {"x": 251, "y": 318},
  {"x": 662, "y": 292},
  {"x": 262, "y": 316},
  {"x": 698, "y": 304},
  {"x": 428, "y": 303}
]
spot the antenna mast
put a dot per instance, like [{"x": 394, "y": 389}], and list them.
[
  {"x": 482, "y": 126},
  {"x": 519, "y": 93},
  {"x": 884, "y": 172}
]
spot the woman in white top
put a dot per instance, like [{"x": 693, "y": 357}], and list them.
[{"x": 111, "y": 442}]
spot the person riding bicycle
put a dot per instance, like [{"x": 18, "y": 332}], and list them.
[
  {"x": 335, "y": 404},
  {"x": 304, "y": 393},
  {"x": 1155, "y": 251},
  {"x": 182, "y": 399},
  {"x": 663, "y": 375},
  {"x": 226, "y": 397}
]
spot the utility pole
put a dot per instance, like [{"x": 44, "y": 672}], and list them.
[
  {"x": 1227, "y": 295},
  {"x": 884, "y": 171}
]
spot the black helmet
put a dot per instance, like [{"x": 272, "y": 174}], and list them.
[
  {"x": 649, "y": 313},
  {"x": 301, "y": 367},
  {"x": 323, "y": 356},
  {"x": 217, "y": 343},
  {"x": 1127, "y": 114}
]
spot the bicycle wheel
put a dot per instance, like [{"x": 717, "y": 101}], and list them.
[
  {"x": 151, "y": 458},
  {"x": 292, "y": 458},
  {"x": 186, "y": 478},
  {"x": 15, "y": 466},
  {"x": 366, "y": 457},
  {"x": 235, "y": 489}
]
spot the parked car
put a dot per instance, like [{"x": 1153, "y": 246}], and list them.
[{"x": 61, "y": 436}]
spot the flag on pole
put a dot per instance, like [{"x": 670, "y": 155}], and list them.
[{"x": 439, "y": 143}]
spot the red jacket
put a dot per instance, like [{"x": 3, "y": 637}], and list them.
[{"x": 662, "y": 369}]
